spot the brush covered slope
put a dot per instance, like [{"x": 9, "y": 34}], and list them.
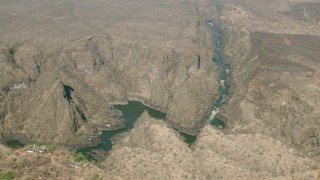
[
  {"x": 65, "y": 63},
  {"x": 61, "y": 77}
]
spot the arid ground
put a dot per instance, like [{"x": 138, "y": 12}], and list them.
[{"x": 65, "y": 63}]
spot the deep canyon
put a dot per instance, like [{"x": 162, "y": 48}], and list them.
[{"x": 173, "y": 89}]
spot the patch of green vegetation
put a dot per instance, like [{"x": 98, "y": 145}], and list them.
[
  {"x": 95, "y": 176},
  {"x": 315, "y": 167},
  {"x": 80, "y": 158},
  {"x": 15, "y": 144},
  {"x": 66, "y": 141},
  {"x": 7, "y": 175},
  {"x": 50, "y": 147}
]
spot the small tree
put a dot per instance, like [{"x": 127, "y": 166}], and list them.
[{"x": 80, "y": 158}]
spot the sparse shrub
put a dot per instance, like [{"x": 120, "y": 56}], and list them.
[
  {"x": 315, "y": 167},
  {"x": 10, "y": 54},
  {"x": 51, "y": 147},
  {"x": 80, "y": 158},
  {"x": 66, "y": 141},
  {"x": 7, "y": 175}
]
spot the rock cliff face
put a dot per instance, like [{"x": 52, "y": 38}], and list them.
[
  {"x": 62, "y": 72},
  {"x": 275, "y": 75},
  {"x": 154, "y": 151},
  {"x": 282, "y": 87},
  {"x": 65, "y": 63}
]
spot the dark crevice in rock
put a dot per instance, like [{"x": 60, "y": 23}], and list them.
[
  {"x": 199, "y": 61},
  {"x": 76, "y": 108},
  {"x": 38, "y": 68},
  {"x": 10, "y": 56},
  {"x": 67, "y": 92},
  {"x": 75, "y": 126},
  {"x": 82, "y": 115},
  {"x": 78, "y": 117}
]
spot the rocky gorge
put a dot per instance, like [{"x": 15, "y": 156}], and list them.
[
  {"x": 62, "y": 90},
  {"x": 71, "y": 84}
]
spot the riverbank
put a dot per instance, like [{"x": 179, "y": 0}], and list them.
[{"x": 132, "y": 109}]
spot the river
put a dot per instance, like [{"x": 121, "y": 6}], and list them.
[
  {"x": 132, "y": 111},
  {"x": 224, "y": 87}
]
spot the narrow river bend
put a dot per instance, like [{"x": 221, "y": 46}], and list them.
[
  {"x": 132, "y": 111},
  {"x": 224, "y": 87}
]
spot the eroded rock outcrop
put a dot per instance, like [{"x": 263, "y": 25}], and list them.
[
  {"x": 60, "y": 84},
  {"x": 275, "y": 74},
  {"x": 152, "y": 150}
]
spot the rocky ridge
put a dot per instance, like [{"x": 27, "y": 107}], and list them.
[
  {"x": 275, "y": 74},
  {"x": 62, "y": 89},
  {"x": 271, "y": 116}
]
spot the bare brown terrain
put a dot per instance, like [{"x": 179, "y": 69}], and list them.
[
  {"x": 152, "y": 150},
  {"x": 56, "y": 164},
  {"x": 276, "y": 72},
  {"x": 65, "y": 63}
]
